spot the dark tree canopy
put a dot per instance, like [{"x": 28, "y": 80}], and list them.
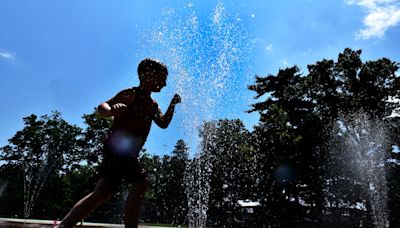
[{"x": 298, "y": 121}]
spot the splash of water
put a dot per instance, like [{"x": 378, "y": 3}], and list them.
[
  {"x": 365, "y": 150},
  {"x": 208, "y": 57},
  {"x": 34, "y": 180},
  {"x": 198, "y": 189}
]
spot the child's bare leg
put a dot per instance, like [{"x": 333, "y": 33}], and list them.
[
  {"x": 134, "y": 202},
  {"x": 86, "y": 205}
]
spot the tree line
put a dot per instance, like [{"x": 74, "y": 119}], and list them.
[{"x": 311, "y": 160}]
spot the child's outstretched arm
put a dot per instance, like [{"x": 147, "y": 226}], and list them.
[{"x": 164, "y": 120}]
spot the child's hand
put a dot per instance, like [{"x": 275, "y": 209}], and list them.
[
  {"x": 118, "y": 108},
  {"x": 177, "y": 99}
]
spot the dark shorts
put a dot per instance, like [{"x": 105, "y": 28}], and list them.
[{"x": 115, "y": 169}]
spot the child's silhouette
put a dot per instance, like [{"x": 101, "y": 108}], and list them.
[{"x": 133, "y": 110}]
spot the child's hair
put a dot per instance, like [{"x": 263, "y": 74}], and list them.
[{"x": 152, "y": 66}]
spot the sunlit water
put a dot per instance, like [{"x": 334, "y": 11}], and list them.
[
  {"x": 364, "y": 152},
  {"x": 207, "y": 57},
  {"x": 34, "y": 180}
]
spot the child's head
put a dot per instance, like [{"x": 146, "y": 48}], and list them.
[{"x": 152, "y": 74}]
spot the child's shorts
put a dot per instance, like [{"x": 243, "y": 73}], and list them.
[{"x": 115, "y": 169}]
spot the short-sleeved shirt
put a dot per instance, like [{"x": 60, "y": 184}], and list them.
[
  {"x": 127, "y": 136},
  {"x": 139, "y": 114},
  {"x": 131, "y": 128}
]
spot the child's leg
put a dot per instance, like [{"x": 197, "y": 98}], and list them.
[
  {"x": 134, "y": 202},
  {"x": 86, "y": 205}
]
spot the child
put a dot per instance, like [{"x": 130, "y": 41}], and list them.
[{"x": 133, "y": 111}]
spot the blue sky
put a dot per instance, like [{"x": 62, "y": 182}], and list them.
[{"x": 71, "y": 55}]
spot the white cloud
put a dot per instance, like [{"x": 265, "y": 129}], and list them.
[
  {"x": 268, "y": 48},
  {"x": 6, "y": 55},
  {"x": 381, "y": 14}
]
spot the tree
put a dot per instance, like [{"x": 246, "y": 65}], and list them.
[
  {"x": 11, "y": 191},
  {"x": 174, "y": 187},
  {"x": 300, "y": 122},
  {"x": 166, "y": 201},
  {"x": 152, "y": 208},
  {"x": 225, "y": 143},
  {"x": 43, "y": 148},
  {"x": 277, "y": 138},
  {"x": 94, "y": 137}
]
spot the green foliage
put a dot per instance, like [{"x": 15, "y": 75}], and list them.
[
  {"x": 43, "y": 148},
  {"x": 94, "y": 136},
  {"x": 298, "y": 127},
  {"x": 225, "y": 146},
  {"x": 167, "y": 202},
  {"x": 53, "y": 165},
  {"x": 11, "y": 191}
]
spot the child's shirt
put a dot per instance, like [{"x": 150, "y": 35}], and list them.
[{"x": 136, "y": 120}]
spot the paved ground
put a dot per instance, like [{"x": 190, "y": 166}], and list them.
[{"x": 33, "y": 223}]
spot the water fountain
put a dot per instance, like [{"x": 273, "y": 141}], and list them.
[
  {"x": 364, "y": 149},
  {"x": 34, "y": 180},
  {"x": 208, "y": 57}
]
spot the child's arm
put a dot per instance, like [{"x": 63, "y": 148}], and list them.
[
  {"x": 164, "y": 120},
  {"x": 106, "y": 110},
  {"x": 117, "y": 104}
]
